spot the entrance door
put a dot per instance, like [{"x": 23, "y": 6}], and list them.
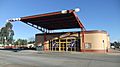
[{"x": 64, "y": 44}]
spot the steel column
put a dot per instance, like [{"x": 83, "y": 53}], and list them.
[{"x": 82, "y": 29}]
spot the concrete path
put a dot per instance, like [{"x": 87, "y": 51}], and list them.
[{"x": 35, "y": 59}]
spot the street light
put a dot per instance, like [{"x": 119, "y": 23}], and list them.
[
  {"x": 77, "y": 9},
  {"x": 64, "y": 11},
  {"x": 13, "y": 20}
]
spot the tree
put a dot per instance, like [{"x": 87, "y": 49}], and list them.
[
  {"x": 116, "y": 44},
  {"x": 20, "y": 42},
  {"x": 8, "y": 25},
  {"x": 25, "y": 42},
  {"x": 31, "y": 40},
  {"x": 3, "y": 35},
  {"x": 6, "y": 34}
]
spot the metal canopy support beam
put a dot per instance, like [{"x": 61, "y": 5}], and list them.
[
  {"x": 83, "y": 31},
  {"x": 45, "y": 31},
  {"x": 38, "y": 27},
  {"x": 45, "y": 39},
  {"x": 35, "y": 26}
]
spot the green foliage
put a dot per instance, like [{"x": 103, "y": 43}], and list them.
[
  {"x": 31, "y": 42},
  {"x": 20, "y": 42},
  {"x": 8, "y": 25},
  {"x": 116, "y": 44},
  {"x": 6, "y": 34}
]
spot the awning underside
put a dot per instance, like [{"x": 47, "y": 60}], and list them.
[{"x": 53, "y": 21}]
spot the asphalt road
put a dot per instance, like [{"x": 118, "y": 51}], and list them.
[{"x": 35, "y": 59}]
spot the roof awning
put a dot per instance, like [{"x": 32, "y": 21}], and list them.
[
  {"x": 66, "y": 19},
  {"x": 54, "y": 20}
]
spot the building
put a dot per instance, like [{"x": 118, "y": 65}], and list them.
[
  {"x": 95, "y": 41},
  {"x": 83, "y": 40}
]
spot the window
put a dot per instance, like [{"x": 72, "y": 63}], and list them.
[{"x": 88, "y": 45}]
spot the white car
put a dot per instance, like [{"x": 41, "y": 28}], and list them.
[
  {"x": 113, "y": 47},
  {"x": 1, "y": 47}
]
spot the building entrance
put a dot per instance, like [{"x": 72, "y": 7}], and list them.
[{"x": 65, "y": 44}]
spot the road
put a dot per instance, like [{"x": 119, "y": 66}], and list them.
[{"x": 35, "y": 59}]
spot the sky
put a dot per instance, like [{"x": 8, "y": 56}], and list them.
[{"x": 94, "y": 14}]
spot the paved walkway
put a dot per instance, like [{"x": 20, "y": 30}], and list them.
[{"x": 30, "y": 58}]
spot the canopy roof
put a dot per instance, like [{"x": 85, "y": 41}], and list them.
[{"x": 54, "y": 20}]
